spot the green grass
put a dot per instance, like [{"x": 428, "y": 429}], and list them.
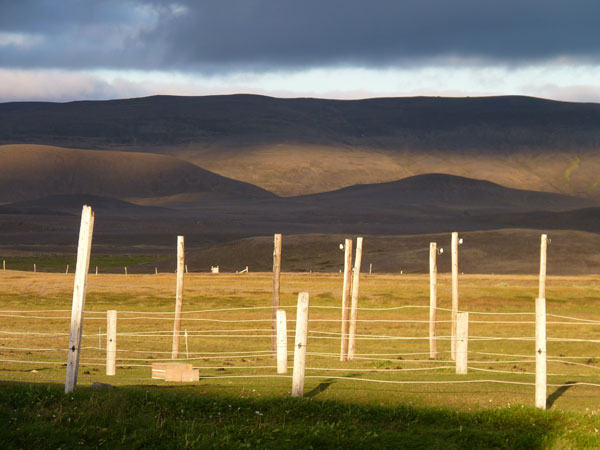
[
  {"x": 41, "y": 416},
  {"x": 341, "y": 409}
]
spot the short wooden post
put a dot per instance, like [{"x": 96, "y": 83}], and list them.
[
  {"x": 462, "y": 342},
  {"x": 84, "y": 249},
  {"x": 540, "y": 353},
  {"x": 300, "y": 345},
  {"x": 354, "y": 307},
  {"x": 186, "y": 269},
  {"x": 454, "y": 293},
  {"x": 276, "y": 290},
  {"x": 370, "y": 268},
  {"x": 4, "y": 265},
  {"x": 111, "y": 342},
  {"x": 156, "y": 271},
  {"x": 281, "y": 341},
  {"x": 543, "y": 252},
  {"x": 125, "y": 270},
  {"x": 96, "y": 270},
  {"x": 346, "y": 298},
  {"x": 187, "y": 350},
  {"x": 433, "y": 351},
  {"x": 34, "y": 268},
  {"x": 178, "y": 297},
  {"x": 67, "y": 269}
]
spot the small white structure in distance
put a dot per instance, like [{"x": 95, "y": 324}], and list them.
[{"x": 214, "y": 269}]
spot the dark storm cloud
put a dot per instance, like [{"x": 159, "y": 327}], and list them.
[{"x": 235, "y": 34}]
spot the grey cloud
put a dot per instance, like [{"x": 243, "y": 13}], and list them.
[{"x": 228, "y": 35}]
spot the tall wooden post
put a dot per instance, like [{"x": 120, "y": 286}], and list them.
[
  {"x": 543, "y": 251},
  {"x": 462, "y": 342},
  {"x": 178, "y": 297},
  {"x": 346, "y": 298},
  {"x": 540, "y": 353},
  {"x": 300, "y": 345},
  {"x": 354, "y": 307},
  {"x": 281, "y": 341},
  {"x": 3, "y": 265},
  {"x": 433, "y": 351},
  {"x": 454, "y": 249},
  {"x": 111, "y": 342},
  {"x": 276, "y": 290},
  {"x": 84, "y": 249}
]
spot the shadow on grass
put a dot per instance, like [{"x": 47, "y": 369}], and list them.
[
  {"x": 558, "y": 392},
  {"x": 43, "y": 417},
  {"x": 320, "y": 388}
]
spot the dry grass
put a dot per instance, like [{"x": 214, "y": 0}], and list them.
[{"x": 570, "y": 296}]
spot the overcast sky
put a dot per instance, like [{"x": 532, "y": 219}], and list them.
[{"x": 63, "y": 50}]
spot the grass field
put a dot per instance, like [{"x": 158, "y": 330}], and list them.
[{"x": 392, "y": 389}]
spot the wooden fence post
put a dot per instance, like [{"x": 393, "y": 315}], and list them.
[
  {"x": 540, "y": 353},
  {"x": 281, "y": 341},
  {"x": 67, "y": 272},
  {"x": 276, "y": 290},
  {"x": 111, "y": 342},
  {"x": 354, "y": 307},
  {"x": 454, "y": 251},
  {"x": 96, "y": 270},
  {"x": 178, "y": 297},
  {"x": 34, "y": 268},
  {"x": 543, "y": 252},
  {"x": 462, "y": 342},
  {"x": 3, "y": 265},
  {"x": 125, "y": 270},
  {"x": 84, "y": 249},
  {"x": 155, "y": 270},
  {"x": 300, "y": 345},
  {"x": 346, "y": 297},
  {"x": 433, "y": 351}
]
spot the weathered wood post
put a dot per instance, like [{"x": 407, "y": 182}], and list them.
[
  {"x": 300, "y": 345},
  {"x": 370, "y": 268},
  {"x": 354, "y": 307},
  {"x": 187, "y": 349},
  {"x": 281, "y": 341},
  {"x": 67, "y": 269},
  {"x": 454, "y": 250},
  {"x": 178, "y": 297},
  {"x": 346, "y": 298},
  {"x": 3, "y": 265},
  {"x": 34, "y": 268},
  {"x": 543, "y": 252},
  {"x": 125, "y": 270},
  {"x": 462, "y": 342},
  {"x": 276, "y": 290},
  {"x": 540, "y": 353},
  {"x": 155, "y": 270},
  {"x": 111, "y": 342},
  {"x": 96, "y": 270},
  {"x": 433, "y": 351},
  {"x": 84, "y": 249},
  {"x": 186, "y": 269}
]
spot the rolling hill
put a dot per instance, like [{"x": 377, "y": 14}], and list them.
[
  {"x": 302, "y": 146},
  {"x": 32, "y": 171}
]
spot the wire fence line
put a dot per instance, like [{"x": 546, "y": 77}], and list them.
[{"x": 141, "y": 344}]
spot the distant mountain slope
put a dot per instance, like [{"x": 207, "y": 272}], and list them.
[
  {"x": 448, "y": 191},
  {"x": 30, "y": 172},
  {"x": 302, "y": 146},
  {"x": 486, "y": 123},
  {"x": 72, "y": 204}
]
